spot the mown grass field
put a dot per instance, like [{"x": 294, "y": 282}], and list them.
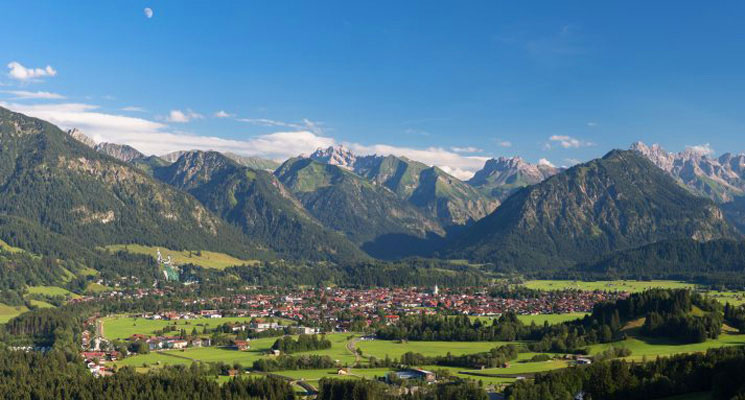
[
  {"x": 539, "y": 319},
  {"x": 40, "y": 304},
  {"x": 394, "y": 349},
  {"x": 205, "y": 259},
  {"x": 9, "y": 312},
  {"x": 651, "y": 348},
  {"x": 10, "y": 249},
  {"x": 259, "y": 349},
  {"x": 51, "y": 291},
  {"x": 619, "y": 285},
  {"x": 122, "y": 327}
]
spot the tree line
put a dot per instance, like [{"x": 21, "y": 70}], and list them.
[{"x": 718, "y": 371}]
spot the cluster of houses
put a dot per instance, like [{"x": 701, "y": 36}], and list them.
[{"x": 336, "y": 307}]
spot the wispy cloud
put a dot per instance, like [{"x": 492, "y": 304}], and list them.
[
  {"x": 701, "y": 149},
  {"x": 152, "y": 137},
  {"x": 182, "y": 117},
  {"x": 592, "y": 124},
  {"x": 223, "y": 114},
  {"x": 503, "y": 143},
  {"x": 305, "y": 124},
  {"x": 21, "y": 73},
  {"x": 468, "y": 149},
  {"x": 566, "y": 142},
  {"x": 133, "y": 109},
  {"x": 24, "y": 94},
  {"x": 545, "y": 162},
  {"x": 417, "y": 132},
  {"x": 552, "y": 46}
]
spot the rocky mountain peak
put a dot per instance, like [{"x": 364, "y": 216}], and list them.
[
  {"x": 121, "y": 152},
  {"x": 720, "y": 178},
  {"x": 335, "y": 155},
  {"x": 81, "y": 137}
]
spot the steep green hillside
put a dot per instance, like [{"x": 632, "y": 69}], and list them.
[
  {"x": 50, "y": 179},
  {"x": 618, "y": 202},
  {"x": 259, "y": 204},
  {"x": 438, "y": 194},
  {"x": 343, "y": 201}
]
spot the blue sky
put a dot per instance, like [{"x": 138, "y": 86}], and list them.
[{"x": 449, "y": 83}]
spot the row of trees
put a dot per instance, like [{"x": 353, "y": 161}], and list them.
[
  {"x": 287, "y": 363},
  {"x": 719, "y": 371},
  {"x": 56, "y": 375},
  {"x": 494, "y": 358},
  {"x": 289, "y": 345},
  {"x": 337, "y": 389}
]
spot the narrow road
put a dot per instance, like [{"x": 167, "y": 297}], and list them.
[{"x": 352, "y": 348}]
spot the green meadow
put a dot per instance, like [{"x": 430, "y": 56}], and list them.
[
  {"x": 202, "y": 258},
  {"x": 619, "y": 285},
  {"x": 259, "y": 348},
  {"x": 9, "y": 312},
  {"x": 539, "y": 319},
  {"x": 51, "y": 291},
  {"x": 122, "y": 327}
]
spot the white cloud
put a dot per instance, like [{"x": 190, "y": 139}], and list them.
[
  {"x": 460, "y": 166},
  {"x": 468, "y": 149},
  {"x": 24, "y": 94},
  {"x": 133, "y": 109},
  {"x": 181, "y": 117},
  {"x": 567, "y": 142},
  {"x": 701, "y": 149},
  {"x": 21, "y": 73},
  {"x": 305, "y": 124},
  {"x": 418, "y": 132},
  {"x": 592, "y": 124},
  {"x": 504, "y": 143},
  {"x": 545, "y": 162},
  {"x": 148, "y": 12},
  {"x": 153, "y": 137},
  {"x": 222, "y": 114}
]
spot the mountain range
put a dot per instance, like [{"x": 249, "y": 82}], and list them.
[
  {"x": 335, "y": 206},
  {"x": 722, "y": 179}
]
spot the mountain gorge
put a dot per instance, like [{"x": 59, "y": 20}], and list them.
[
  {"x": 434, "y": 192},
  {"x": 367, "y": 213},
  {"x": 258, "y": 203}
]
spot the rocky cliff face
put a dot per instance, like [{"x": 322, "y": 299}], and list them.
[
  {"x": 721, "y": 179},
  {"x": 121, "y": 152},
  {"x": 500, "y": 177}
]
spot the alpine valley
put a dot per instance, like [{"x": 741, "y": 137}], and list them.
[{"x": 338, "y": 207}]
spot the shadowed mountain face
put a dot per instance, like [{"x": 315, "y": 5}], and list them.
[
  {"x": 50, "y": 178},
  {"x": 259, "y": 204},
  {"x": 435, "y": 193},
  {"x": 618, "y": 202},
  {"x": 345, "y": 202}
]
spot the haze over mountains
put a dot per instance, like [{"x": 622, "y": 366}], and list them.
[{"x": 335, "y": 206}]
